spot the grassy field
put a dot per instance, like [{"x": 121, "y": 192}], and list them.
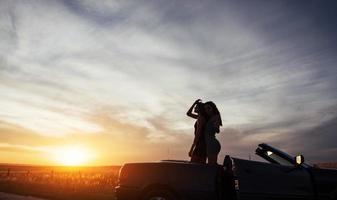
[{"x": 85, "y": 183}]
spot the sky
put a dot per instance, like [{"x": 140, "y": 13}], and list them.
[{"x": 116, "y": 77}]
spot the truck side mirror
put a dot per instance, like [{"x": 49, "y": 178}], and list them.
[{"x": 299, "y": 160}]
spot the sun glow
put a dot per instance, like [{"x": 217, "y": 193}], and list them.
[{"x": 73, "y": 156}]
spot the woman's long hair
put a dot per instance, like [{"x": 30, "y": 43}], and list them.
[{"x": 215, "y": 110}]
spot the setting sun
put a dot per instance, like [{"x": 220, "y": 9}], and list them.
[{"x": 72, "y": 156}]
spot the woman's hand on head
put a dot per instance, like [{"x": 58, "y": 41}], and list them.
[{"x": 197, "y": 101}]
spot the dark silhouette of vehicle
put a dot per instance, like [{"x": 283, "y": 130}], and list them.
[{"x": 283, "y": 177}]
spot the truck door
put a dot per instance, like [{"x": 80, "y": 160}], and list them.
[
  {"x": 278, "y": 179},
  {"x": 265, "y": 181}
]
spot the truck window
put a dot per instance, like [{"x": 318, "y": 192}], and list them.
[{"x": 278, "y": 159}]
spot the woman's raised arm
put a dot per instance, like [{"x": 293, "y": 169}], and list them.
[{"x": 190, "y": 111}]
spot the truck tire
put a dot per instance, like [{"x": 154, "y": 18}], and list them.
[{"x": 160, "y": 194}]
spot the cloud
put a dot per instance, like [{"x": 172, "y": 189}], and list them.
[
  {"x": 316, "y": 143},
  {"x": 131, "y": 68},
  {"x": 19, "y": 148}
]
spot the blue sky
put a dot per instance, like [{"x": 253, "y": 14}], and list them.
[{"x": 123, "y": 74}]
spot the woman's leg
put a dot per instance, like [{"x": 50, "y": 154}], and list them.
[
  {"x": 203, "y": 159},
  {"x": 213, "y": 152},
  {"x": 199, "y": 153},
  {"x": 212, "y": 159},
  {"x": 198, "y": 159}
]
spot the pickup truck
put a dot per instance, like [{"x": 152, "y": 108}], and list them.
[{"x": 281, "y": 177}]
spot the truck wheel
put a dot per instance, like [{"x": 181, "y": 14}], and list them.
[{"x": 159, "y": 195}]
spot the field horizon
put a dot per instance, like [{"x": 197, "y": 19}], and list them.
[
  {"x": 66, "y": 166},
  {"x": 59, "y": 182}
]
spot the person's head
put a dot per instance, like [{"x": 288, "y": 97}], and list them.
[
  {"x": 200, "y": 109},
  {"x": 198, "y": 106},
  {"x": 211, "y": 110}
]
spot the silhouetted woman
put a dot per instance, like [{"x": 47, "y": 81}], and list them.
[
  {"x": 198, "y": 148},
  {"x": 212, "y": 127}
]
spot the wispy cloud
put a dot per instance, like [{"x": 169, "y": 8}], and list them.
[
  {"x": 67, "y": 66},
  {"x": 19, "y": 148}
]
